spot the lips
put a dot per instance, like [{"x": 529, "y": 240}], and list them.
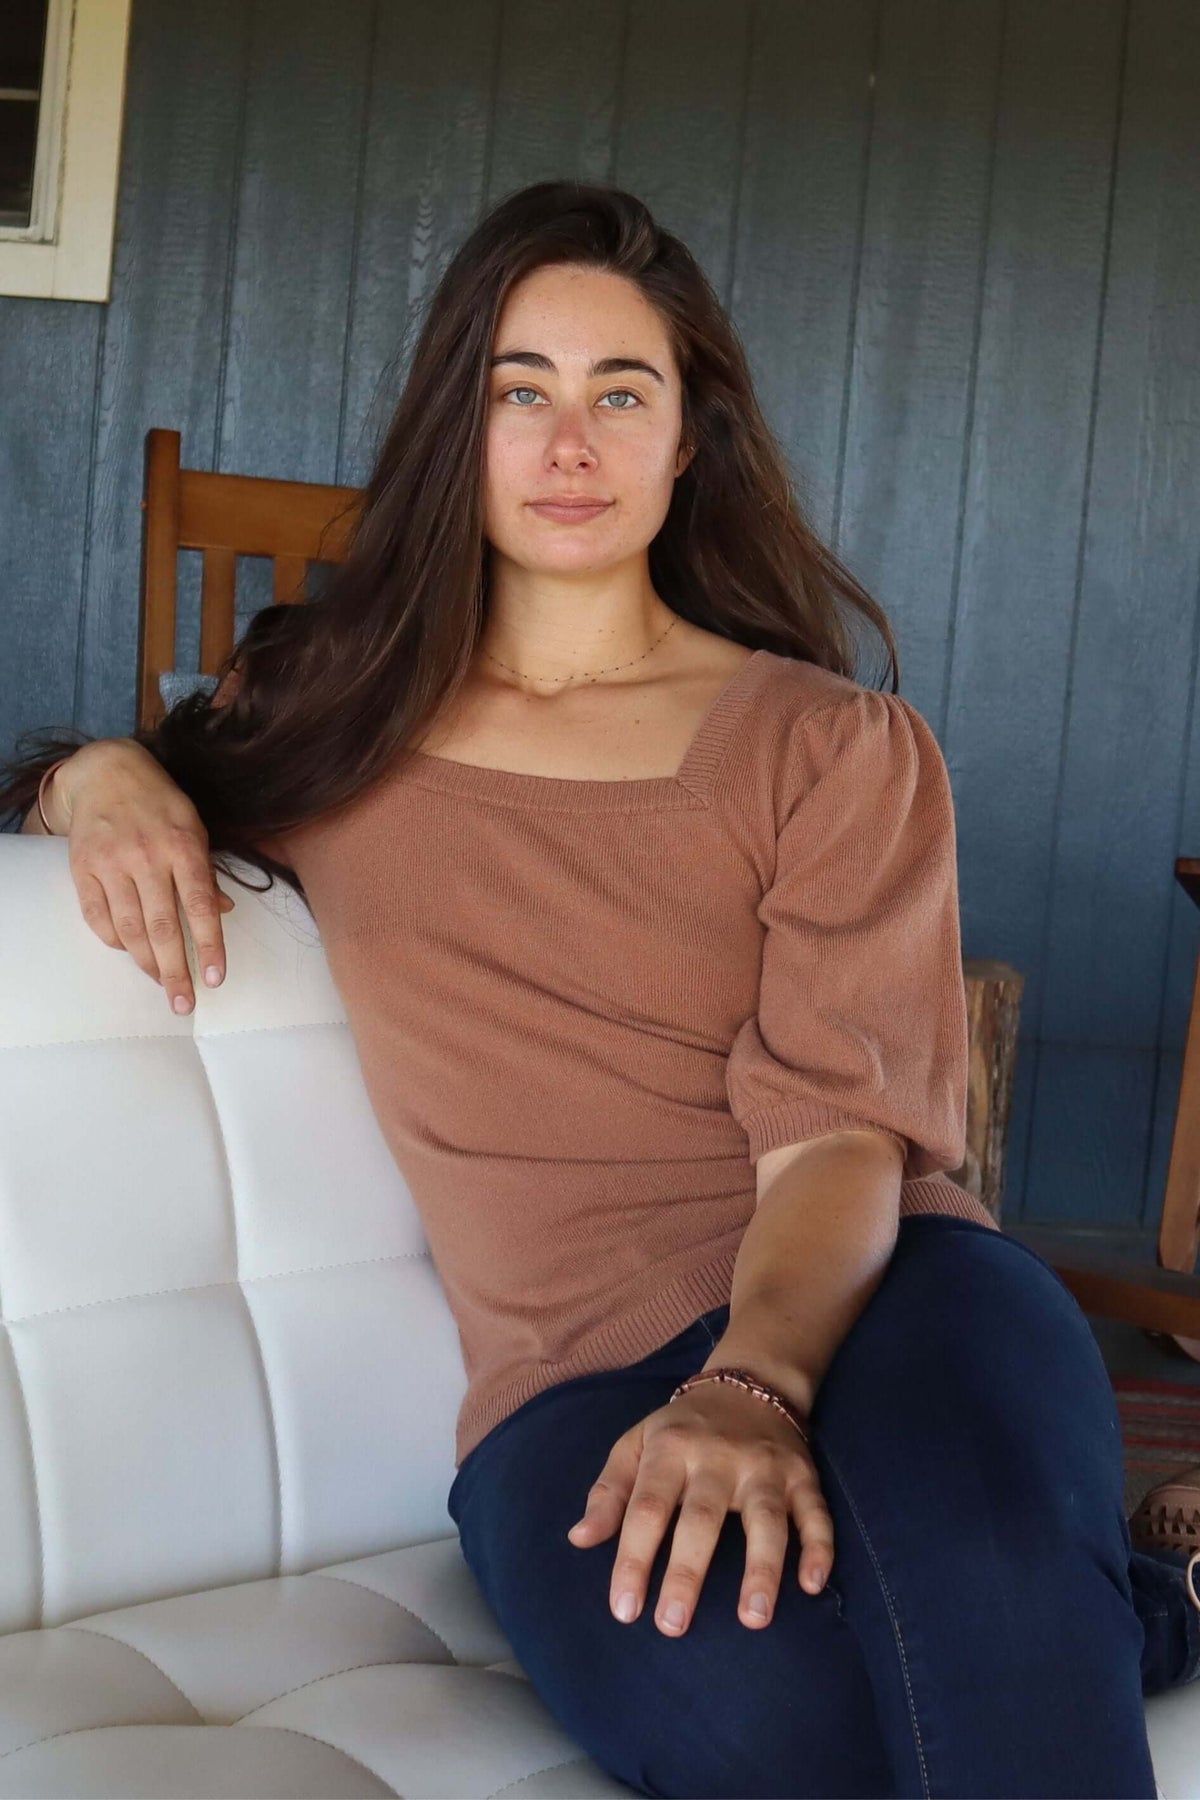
[{"x": 570, "y": 511}]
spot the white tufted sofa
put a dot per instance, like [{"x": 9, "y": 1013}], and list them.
[{"x": 228, "y": 1387}]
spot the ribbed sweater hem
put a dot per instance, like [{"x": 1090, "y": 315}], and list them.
[
  {"x": 660, "y": 1317},
  {"x": 668, "y": 1309},
  {"x": 942, "y": 1194}
]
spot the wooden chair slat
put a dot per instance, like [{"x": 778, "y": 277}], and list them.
[
  {"x": 262, "y": 517},
  {"x": 160, "y": 546},
  {"x": 218, "y": 605},
  {"x": 295, "y": 523},
  {"x": 291, "y": 573}
]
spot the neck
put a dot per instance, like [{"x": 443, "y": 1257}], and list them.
[{"x": 514, "y": 659}]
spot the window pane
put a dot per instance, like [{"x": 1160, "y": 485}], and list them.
[
  {"x": 22, "y": 47},
  {"x": 22, "y": 43}
]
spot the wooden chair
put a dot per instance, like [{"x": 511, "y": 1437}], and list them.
[
  {"x": 298, "y": 522},
  {"x": 223, "y": 516},
  {"x": 993, "y": 1016}
]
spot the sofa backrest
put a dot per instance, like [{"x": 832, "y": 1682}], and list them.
[{"x": 226, "y": 1353}]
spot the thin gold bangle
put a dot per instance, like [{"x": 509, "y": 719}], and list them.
[{"x": 41, "y": 787}]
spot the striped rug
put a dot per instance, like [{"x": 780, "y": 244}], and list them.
[{"x": 1160, "y": 1427}]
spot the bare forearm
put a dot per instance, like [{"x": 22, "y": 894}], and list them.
[{"x": 813, "y": 1254}]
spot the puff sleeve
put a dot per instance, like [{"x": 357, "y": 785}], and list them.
[{"x": 861, "y": 1018}]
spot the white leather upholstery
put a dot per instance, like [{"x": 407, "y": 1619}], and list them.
[{"x": 228, "y": 1387}]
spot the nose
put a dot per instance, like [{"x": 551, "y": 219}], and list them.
[{"x": 568, "y": 446}]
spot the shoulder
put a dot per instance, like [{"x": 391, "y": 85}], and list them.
[
  {"x": 802, "y": 703},
  {"x": 822, "y": 736},
  {"x": 794, "y": 689}
]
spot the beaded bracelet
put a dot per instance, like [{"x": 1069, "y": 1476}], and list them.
[
  {"x": 741, "y": 1378},
  {"x": 42, "y": 788}
]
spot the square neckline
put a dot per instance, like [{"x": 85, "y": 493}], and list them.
[{"x": 688, "y": 786}]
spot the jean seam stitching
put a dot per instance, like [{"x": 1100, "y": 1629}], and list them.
[{"x": 912, "y": 1711}]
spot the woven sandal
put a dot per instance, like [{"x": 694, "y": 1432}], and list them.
[{"x": 1168, "y": 1518}]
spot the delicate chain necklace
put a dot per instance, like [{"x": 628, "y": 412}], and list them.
[{"x": 592, "y": 673}]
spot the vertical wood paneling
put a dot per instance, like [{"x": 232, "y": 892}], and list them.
[
  {"x": 806, "y": 148},
  {"x": 161, "y": 334},
  {"x": 47, "y": 417},
  {"x": 1160, "y": 322},
  {"x": 1027, "y": 465},
  {"x": 683, "y": 119},
  {"x": 1121, "y": 772},
  {"x": 424, "y": 170},
  {"x": 296, "y": 226},
  {"x": 961, "y": 242},
  {"x": 910, "y": 387},
  {"x": 557, "y": 93}
]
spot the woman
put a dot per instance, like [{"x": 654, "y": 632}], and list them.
[{"x": 645, "y": 916}]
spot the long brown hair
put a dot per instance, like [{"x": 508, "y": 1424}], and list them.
[{"x": 332, "y": 691}]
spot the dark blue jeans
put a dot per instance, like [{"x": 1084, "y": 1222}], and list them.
[{"x": 986, "y": 1628}]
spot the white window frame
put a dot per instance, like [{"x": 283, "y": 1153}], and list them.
[{"x": 66, "y": 251}]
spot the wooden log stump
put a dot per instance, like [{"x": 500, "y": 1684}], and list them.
[{"x": 993, "y": 1015}]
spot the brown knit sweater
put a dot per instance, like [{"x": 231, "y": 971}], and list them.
[{"x": 583, "y": 1007}]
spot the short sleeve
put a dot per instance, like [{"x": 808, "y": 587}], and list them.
[{"x": 861, "y": 1018}]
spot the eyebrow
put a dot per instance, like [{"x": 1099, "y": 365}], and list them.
[{"x": 607, "y": 365}]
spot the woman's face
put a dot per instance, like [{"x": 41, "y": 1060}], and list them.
[{"x": 556, "y": 429}]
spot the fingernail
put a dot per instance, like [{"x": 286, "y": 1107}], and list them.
[
  {"x": 674, "y": 1613},
  {"x": 212, "y": 975},
  {"x": 819, "y": 1581},
  {"x": 180, "y": 1003},
  {"x": 626, "y": 1607},
  {"x": 758, "y": 1605}
]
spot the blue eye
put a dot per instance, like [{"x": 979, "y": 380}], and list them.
[{"x": 628, "y": 392}]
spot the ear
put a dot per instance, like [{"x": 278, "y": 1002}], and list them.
[{"x": 683, "y": 459}]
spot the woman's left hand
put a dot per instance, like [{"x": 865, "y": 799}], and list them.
[{"x": 717, "y": 1449}]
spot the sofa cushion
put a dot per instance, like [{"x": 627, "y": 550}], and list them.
[
  {"x": 386, "y": 1674},
  {"x": 225, "y": 1353}
]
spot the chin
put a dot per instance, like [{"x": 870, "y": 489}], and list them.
[{"x": 568, "y": 559}]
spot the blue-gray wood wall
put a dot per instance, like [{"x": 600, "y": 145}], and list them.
[{"x": 962, "y": 243}]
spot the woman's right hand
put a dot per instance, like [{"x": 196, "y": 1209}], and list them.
[{"x": 134, "y": 842}]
